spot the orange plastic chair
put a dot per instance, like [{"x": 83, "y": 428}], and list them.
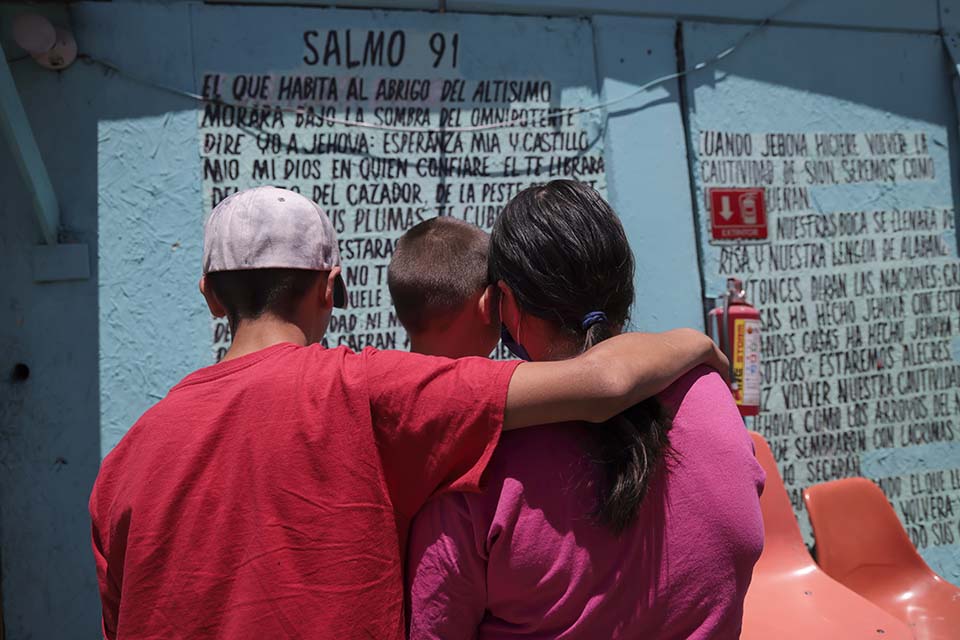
[
  {"x": 790, "y": 597},
  {"x": 861, "y": 543}
]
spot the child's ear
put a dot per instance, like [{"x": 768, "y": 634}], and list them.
[
  {"x": 213, "y": 304},
  {"x": 328, "y": 295},
  {"x": 488, "y": 305}
]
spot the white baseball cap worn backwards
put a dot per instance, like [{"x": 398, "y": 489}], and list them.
[{"x": 271, "y": 228}]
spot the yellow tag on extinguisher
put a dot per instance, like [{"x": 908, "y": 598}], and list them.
[{"x": 745, "y": 361}]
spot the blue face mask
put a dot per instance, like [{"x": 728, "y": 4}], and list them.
[{"x": 512, "y": 345}]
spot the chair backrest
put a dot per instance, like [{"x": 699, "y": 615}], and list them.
[
  {"x": 781, "y": 531},
  {"x": 790, "y": 598},
  {"x": 855, "y": 526}
]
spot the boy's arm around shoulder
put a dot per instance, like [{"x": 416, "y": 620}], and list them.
[{"x": 612, "y": 376}]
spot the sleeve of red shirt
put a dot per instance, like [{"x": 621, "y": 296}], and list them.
[
  {"x": 109, "y": 590},
  {"x": 446, "y": 571},
  {"x": 437, "y": 421}
]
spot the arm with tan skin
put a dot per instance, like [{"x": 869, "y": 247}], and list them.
[{"x": 609, "y": 378}]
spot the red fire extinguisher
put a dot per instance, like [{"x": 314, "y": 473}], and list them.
[{"x": 735, "y": 325}]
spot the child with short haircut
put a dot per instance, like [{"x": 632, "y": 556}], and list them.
[
  {"x": 270, "y": 495},
  {"x": 440, "y": 290}
]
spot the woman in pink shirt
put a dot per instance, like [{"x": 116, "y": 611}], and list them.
[{"x": 646, "y": 528}]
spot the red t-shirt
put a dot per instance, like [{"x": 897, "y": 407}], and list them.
[{"x": 270, "y": 496}]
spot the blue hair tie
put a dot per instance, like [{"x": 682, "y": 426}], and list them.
[{"x": 593, "y": 318}]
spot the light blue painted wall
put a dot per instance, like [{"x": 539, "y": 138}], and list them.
[
  {"x": 124, "y": 159},
  {"x": 148, "y": 197},
  {"x": 914, "y": 15},
  {"x": 917, "y": 15},
  {"x": 647, "y": 178},
  {"x": 829, "y": 81}
]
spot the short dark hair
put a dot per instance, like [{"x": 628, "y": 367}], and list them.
[
  {"x": 249, "y": 293},
  {"x": 436, "y": 266}
]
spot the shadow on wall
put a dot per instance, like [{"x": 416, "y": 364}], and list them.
[{"x": 50, "y": 334}]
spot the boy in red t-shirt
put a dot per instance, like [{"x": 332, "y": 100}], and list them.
[{"x": 270, "y": 495}]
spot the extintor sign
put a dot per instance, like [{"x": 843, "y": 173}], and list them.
[{"x": 738, "y": 214}]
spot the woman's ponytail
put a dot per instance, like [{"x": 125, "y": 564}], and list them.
[{"x": 630, "y": 447}]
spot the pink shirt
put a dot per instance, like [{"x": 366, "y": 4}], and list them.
[{"x": 526, "y": 559}]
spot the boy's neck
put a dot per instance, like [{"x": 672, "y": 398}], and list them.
[
  {"x": 457, "y": 336},
  {"x": 251, "y": 336},
  {"x": 445, "y": 344}
]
